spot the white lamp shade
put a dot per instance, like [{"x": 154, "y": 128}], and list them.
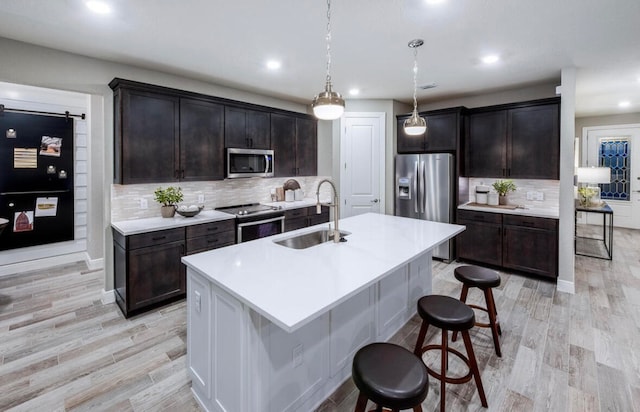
[{"x": 594, "y": 175}]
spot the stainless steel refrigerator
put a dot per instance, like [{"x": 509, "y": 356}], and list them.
[{"x": 425, "y": 190}]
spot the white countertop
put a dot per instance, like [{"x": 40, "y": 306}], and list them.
[
  {"x": 292, "y": 287},
  {"x": 151, "y": 224},
  {"x": 528, "y": 210}
]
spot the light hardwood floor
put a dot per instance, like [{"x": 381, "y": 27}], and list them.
[{"x": 61, "y": 349}]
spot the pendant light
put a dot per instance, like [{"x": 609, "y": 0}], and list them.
[
  {"x": 328, "y": 105},
  {"x": 415, "y": 125}
]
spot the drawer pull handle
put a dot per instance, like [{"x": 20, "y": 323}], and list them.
[
  {"x": 530, "y": 224},
  {"x": 211, "y": 229},
  {"x": 212, "y": 241},
  {"x": 159, "y": 238}
]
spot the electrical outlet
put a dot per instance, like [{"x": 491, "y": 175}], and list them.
[
  {"x": 539, "y": 196},
  {"x": 298, "y": 351},
  {"x": 197, "y": 301},
  {"x": 529, "y": 195},
  {"x": 200, "y": 199},
  {"x": 143, "y": 203}
]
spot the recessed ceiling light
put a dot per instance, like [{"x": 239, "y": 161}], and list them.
[
  {"x": 273, "y": 65},
  {"x": 490, "y": 59},
  {"x": 354, "y": 92},
  {"x": 624, "y": 103},
  {"x": 99, "y": 7}
]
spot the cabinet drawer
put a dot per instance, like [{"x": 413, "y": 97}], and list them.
[
  {"x": 213, "y": 241},
  {"x": 156, "y": 238},
  {"x": 211, "y": 228},
  {"x": 487, "y": 217},
  {"x": 294, "y": 213},
  {"x": 532, "y": 222}
]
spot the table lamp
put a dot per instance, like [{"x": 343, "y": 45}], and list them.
[{"x": 590, "y": 195}]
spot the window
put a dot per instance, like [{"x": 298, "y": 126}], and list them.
[{"x": 614, "y": 153}]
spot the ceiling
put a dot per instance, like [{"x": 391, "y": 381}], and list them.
[{"x": 228, "y": 43}]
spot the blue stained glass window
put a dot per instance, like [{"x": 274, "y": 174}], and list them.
[{"x": 614, "y": 153}]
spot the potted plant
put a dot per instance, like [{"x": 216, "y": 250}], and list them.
[
  {"x": 503, "y": 187},
  {"x": 168, "y": 198},
  {"x": 586, "y": 194}
]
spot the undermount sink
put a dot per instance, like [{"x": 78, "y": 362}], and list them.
[{"x": 310, "y": 239}]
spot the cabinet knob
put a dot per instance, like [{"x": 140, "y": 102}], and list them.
[{"x": 375, "y": 201}]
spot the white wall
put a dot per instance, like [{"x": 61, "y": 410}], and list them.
[{"x": 27, "y": 64}]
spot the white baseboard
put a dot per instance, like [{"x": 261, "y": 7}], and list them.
[
  {"x": 108, "y": 296},
  {"x": 93, "y": 264},
  {"x": 566, "y": 286}
]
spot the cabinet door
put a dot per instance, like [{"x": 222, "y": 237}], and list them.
[
  {"x": 482, "y": 240},
  {"x": 406, "y": 143},
  {"x": 149, "y": 137},
  {"x": 283, "y": 143},
  {"x": 258, "y": 129},
  {"x": 531, "y": 250},
  {"x": 442, "y": 132},
  {"x": 156, "y": 274},
  {"x": 534, "y": 142},
  {"x": 306, "y": 147},
  {"x": 201, "y": 140},
  {"x": 486, "y": 144},
  {"x": 246, "y": 129}
]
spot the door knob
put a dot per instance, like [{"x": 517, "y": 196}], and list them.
[{"x": 375, "y": 201}]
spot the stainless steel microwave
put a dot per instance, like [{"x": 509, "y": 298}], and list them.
[{"x": 249, "y": 163}]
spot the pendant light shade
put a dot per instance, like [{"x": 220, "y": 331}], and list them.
[
  {"x": 415, "y": 125},
  {"x": 328, "y": 105}
]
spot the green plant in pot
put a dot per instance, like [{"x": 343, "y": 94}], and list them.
[
  {"x": 503, "y": 187},
  {"x": 168, "y": 198},
  {"x": 586, "y": 194}
]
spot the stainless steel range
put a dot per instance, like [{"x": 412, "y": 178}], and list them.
[{"x": 254, "y": 221}]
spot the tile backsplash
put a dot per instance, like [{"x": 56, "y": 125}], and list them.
[
  {"x": 126, "y": 199},
  {"x": 550, "y": 190}
]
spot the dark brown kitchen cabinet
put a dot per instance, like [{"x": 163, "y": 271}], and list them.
[
  {"x": 443, "y": 133},
  {"x": 530, "y": 245},
  {"x": 294, "y": 141},
  {"x": 201, "y": 140},
  {"x": 146, "y": 136},
  {"x": 482, "y": 239},
  {"x": 520, "y": 141},
  {"x": 304, "y": 217},
  {"x": 246, "y": 129},
  {"x": 148, "y": 271},
  {"x": 523, "y": 243}
]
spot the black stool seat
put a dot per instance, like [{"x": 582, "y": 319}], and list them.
[
  {"x": 478, "y": 277},
  {"x": 390, "y": 375},
  {"x": 446, "y": 312}
]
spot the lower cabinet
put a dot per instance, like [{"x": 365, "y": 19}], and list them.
[
  {"x": 148, "y": 271},
  {"x": 304, "y": 217},
  {"x": 523, "y": 243}
]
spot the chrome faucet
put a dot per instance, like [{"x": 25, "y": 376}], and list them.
[{"x": 335, "y": 205}]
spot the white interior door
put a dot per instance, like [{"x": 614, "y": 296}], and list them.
[
  {"x": 626, "y": 213},
  {"x": 362, "y": 163}
]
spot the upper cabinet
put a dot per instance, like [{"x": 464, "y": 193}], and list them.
[
  {"x": 164, "y": 135},
  {"x": 520, "y": 141},
  {"x": 146, "y": 137},
  {"x": 295, "y": 144},
  {"x": 201, "y": 140},
  {"x": 246, "y": 129},
  {"x": 443, "y": 132}
]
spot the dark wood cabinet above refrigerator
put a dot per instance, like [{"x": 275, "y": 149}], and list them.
[{"x": 444, "y": 132}]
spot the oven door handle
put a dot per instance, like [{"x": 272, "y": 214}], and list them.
[
  {"x": 259, "y": 222},
  {"x": 266, "y": 164}
]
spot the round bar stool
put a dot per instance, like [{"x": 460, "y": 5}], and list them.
[
  {"x": 449, "y": 314},
  {"x": 390, "y": 376},
  {"x": 483, "y": 279}
]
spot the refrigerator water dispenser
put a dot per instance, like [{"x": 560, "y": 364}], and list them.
[{"x": 404, "y": 188}]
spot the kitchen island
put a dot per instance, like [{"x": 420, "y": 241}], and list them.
[{"x": 271, "y": 328}]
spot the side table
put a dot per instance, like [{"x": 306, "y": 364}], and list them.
[{"x": 607, "y": 229}]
